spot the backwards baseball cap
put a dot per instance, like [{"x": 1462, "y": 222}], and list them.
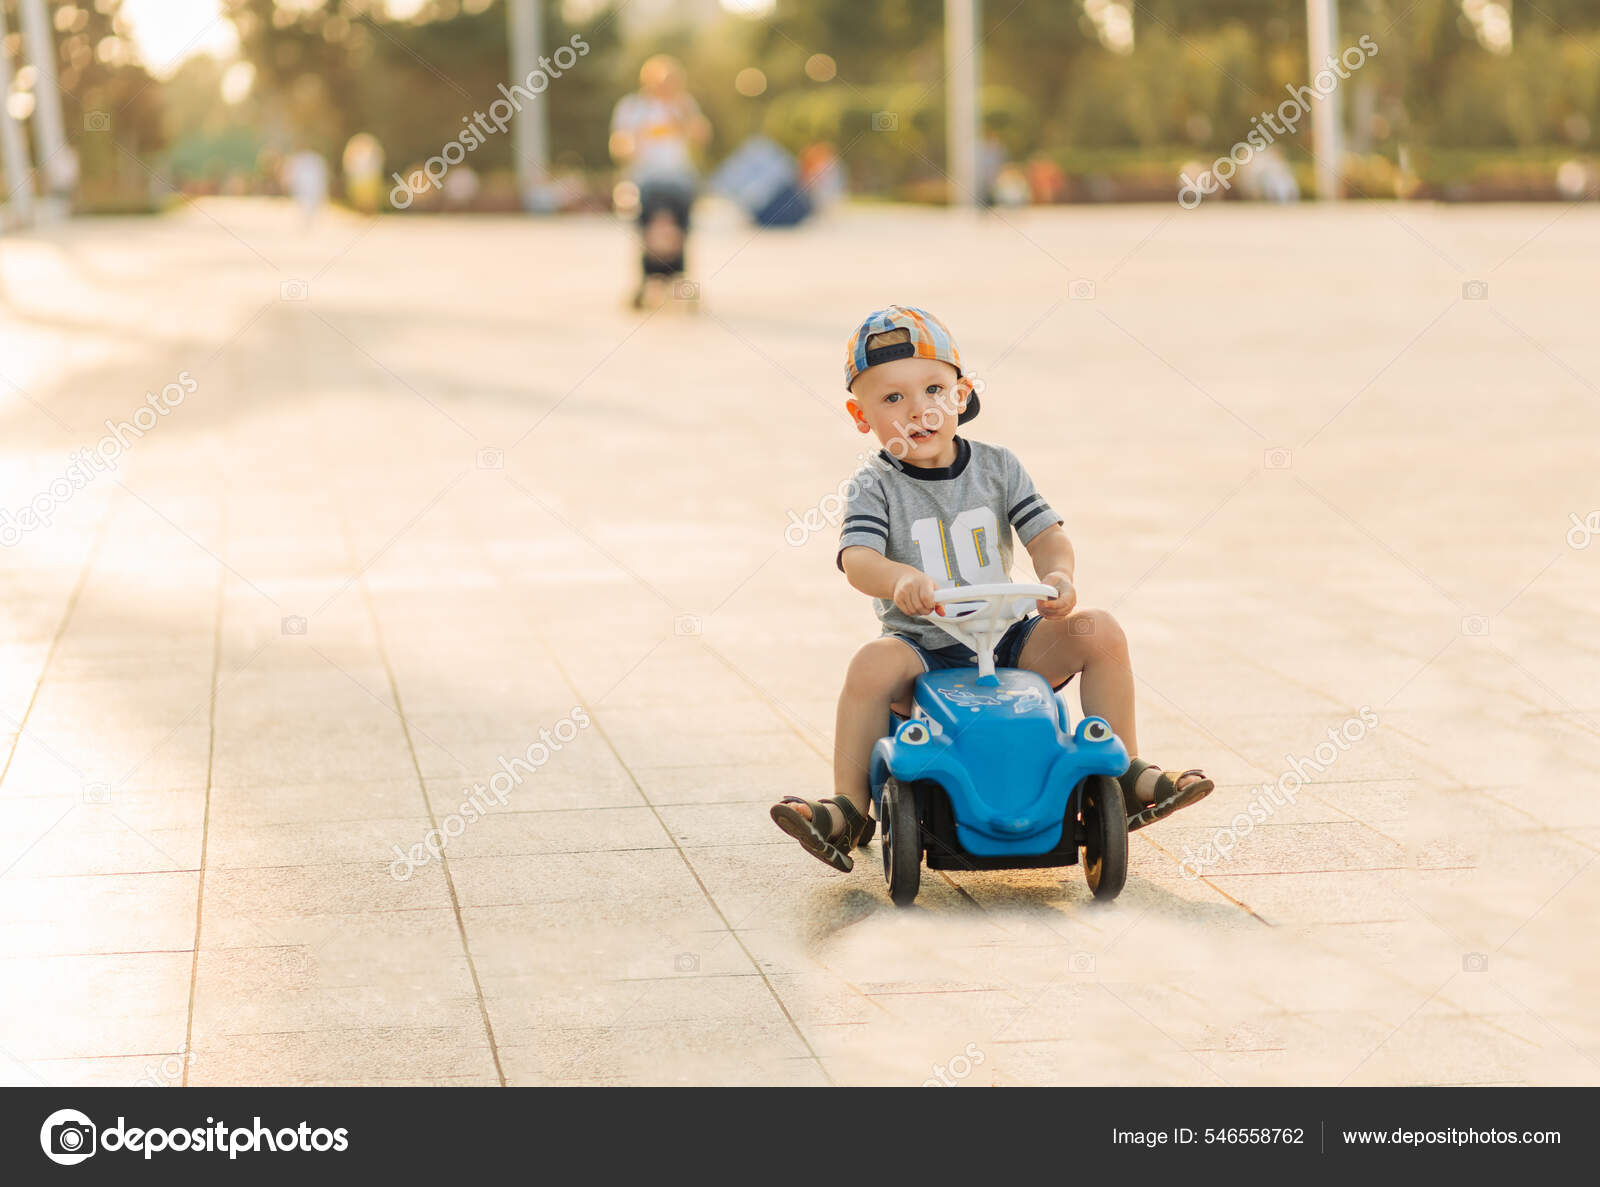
[{"x": 927, "y": 338}]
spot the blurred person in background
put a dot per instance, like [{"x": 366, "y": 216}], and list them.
[
  {"x": 654, "y": 134},
  {"x": 305, "y": 176}
]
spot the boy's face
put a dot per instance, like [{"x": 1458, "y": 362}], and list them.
[{"x": 911, "y": 406}]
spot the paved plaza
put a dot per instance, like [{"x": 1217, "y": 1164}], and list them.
[{"x": 428, "y": 508}]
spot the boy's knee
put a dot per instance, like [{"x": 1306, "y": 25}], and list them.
[
  {"x": 1102, "y": 628},
  {"x": 884, "y": 667}
]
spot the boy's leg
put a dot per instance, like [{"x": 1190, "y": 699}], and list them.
[
  {"x": 879, "y": 678},
  {"x": 1091, "y": 643}
]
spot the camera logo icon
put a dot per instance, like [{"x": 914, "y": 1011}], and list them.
[
  {"x": 1081, "y": 290},
  {"x": 1475, "y": 625},
  {"x": 1081, "y": 962},
  {"x": 297, "y": 961},
  {"x": 294, "y": 290},
  {"x": 1474, "y": 962},
  {"x": 294, "y": 624},
  {"x": 686, "y": 962},
  {"x": 67, "y": 1137},
  {"x": 97, "y": 793},
  {"x": 1277, "y": 459},
  {"x": 686, "y": 624},
  {"x": 96, "y": 121},
  {"x": 491, "y": 459},
  {"x": 885, "y": 121},
  {"x": 1582, "y": 530},
  {"x": 686, "y": 290},
  {"x": 1083, "y": 625},
  {"x": 1475, "y": 290}
]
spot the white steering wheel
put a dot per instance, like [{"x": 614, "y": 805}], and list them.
[{"x": 994, "y": 608}]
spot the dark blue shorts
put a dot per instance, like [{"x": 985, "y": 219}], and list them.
[{"x": 1008, "y": 654}]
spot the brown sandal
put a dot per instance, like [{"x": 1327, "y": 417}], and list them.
[
  {"x": 1172, "y": 793},
  {"x": 835, "y": 850}
]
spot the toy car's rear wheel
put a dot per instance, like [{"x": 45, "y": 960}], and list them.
[
  {"x": 900, "y": 838},
  {"x": 1105, "y": 833}
]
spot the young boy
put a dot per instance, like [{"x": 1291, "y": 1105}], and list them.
[{"x": 932, "y": 510}]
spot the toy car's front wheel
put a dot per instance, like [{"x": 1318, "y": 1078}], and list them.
[
  {"x": 900, "y": 838},
  {"x": 1105, "y": 835}
]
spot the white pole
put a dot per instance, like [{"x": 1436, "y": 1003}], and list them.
[
  {"x": 13, "y": 149},
  {"x": 1327, "y": 123},
  {"x": 961, "y": 120},
  {"x": 55, "y": 159},
  {"x": 531, "y": 143}
]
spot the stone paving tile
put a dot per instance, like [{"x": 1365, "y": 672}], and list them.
[
  {"x": 549, "y": 789},
  {"x": 323, "y": 1056},
  {"x": 151, "y": 1069},
  {"x": 83, "y": 1006},
  {"x": 350, "y": 887},
  {"x": 373, "y": 749},
  {"x": 330, "y": 802},
  {"x": 698, "y": 825},
  {"x": 624, "y": 940},
  {"x": 78, "y": 846},
  {"x": 733, "y": 788},
  {"x": 1287, "y": 848},
  {"x": 130, "y": 759},
  {"x": 578, "y": 830},
  {"x": 150, "y": 912},
  {"x": 686, "y": 1052},
  {"x": 570, "y": 877},
  {"x": 308, "y": 843},
  {"x": 353, "y": 948},
  {"x": 240, "y": 1002}
]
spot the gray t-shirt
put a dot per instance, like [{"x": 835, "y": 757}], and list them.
[{"x": 954, "y": 524}]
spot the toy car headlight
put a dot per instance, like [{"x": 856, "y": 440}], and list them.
[
  {"x": 914, "y": 733},
  {"x": 1094, "y": 729}
]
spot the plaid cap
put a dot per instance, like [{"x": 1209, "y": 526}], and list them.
[{"x": 930, "y": 339}]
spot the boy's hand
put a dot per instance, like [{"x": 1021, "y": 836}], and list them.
[
  {"x": 1065, "y": 600},
  {"x": 913, "y": 593}
]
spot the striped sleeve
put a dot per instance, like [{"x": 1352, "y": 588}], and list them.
[
  {"x": 866, "y": 519},
  {"x": 1026, "y": 508}
]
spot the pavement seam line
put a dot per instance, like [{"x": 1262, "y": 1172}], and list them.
[
  {"x": 599, "y": 729},
  {"x": 55, "y": 640},
  {"x": 693, "y": 873},
  {"x": 205, "y": 817},
  {"x": 422, "y": 786}
]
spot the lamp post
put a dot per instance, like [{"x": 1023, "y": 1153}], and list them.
[
  {"x": 531, "y": 141},
  {"x": 57, "y": 164},
  {"x": 1327, "y": 135},
  {"x": 961, "y": 120},
  {"x": 13, "y": 149}
]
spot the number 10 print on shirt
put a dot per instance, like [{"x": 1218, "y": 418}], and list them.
[{"x": 965, "y": 550}]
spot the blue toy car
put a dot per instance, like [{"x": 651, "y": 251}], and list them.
[{"x": 988, "y": 774}]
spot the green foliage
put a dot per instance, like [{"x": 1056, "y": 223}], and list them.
[
  {"x": 1199, "y": 71},
  {"x": 110, "y": 107}
]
